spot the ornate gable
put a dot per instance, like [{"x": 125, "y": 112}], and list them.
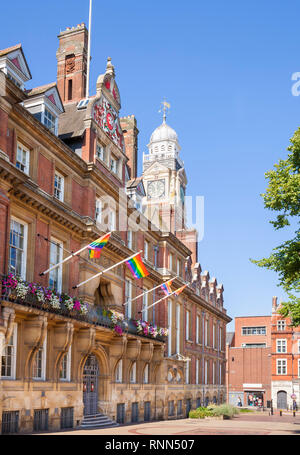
[
  {"x": 105, "y": 110},
  {"x": 205, "y": 285},
  {"x": 14, "y": 65}
]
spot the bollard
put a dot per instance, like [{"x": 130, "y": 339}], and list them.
[
  {"x": 294, "y": 413},
  {"x": 280, "y": 412}
]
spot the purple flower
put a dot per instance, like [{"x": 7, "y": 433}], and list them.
[
  {"x": 76, "y": 305},
  {"x": 118, "y": 329}
]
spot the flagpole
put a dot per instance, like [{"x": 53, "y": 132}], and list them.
[
  {"x": 144, "y": 309},
  {"x": 66, "y": 259},
  {"x": 87, "y": 89},
  {"x": 146, "y": 292},
  {"x": 106, "y": 270}
]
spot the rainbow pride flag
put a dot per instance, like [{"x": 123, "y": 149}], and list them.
[
  {"x": 166, "y": 287},
  {"x": 180, "y": 290},
  {"x": 137, "y": 267},
  {"x": 96, "y": 246}
]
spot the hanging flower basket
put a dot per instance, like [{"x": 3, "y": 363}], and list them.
[{"x": 148, "y": 329}]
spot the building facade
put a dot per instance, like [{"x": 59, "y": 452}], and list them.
[
  {"x": 68, "y": 174},
  {"x": 263, "y": 359},
  {"x": 285, "y": 379},
  {"x": 248, "y": 352}
]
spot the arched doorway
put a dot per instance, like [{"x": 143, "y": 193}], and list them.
[
  {"x": 90, "y": 385},
  {"x": 281, "y": 400}
]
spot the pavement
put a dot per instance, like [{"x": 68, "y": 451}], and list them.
[{"x": 260, "y": 423}]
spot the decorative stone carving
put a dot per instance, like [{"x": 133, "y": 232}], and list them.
[
  {"x": 146, "y": 352},
  {"x": 134, "y": 349}
]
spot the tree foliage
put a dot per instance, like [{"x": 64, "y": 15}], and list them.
[{"x": 283, "y": 196}]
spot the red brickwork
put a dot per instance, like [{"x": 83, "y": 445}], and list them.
[
  {"x": 72, "y": 64},
  {"x": 130, "y": 131},
  {"x": 45, "y": 176},
  {"x": 249, "y": 368}
]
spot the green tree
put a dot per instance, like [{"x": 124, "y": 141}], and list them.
[{"x": 283, "y": 196}]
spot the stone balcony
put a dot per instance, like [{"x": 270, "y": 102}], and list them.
[{"x": 95, "y": 315}]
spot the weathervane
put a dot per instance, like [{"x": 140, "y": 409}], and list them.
[{"x": 164, "y": 108}]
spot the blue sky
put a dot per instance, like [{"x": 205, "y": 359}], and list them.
[{"x": 225, "y": 68}]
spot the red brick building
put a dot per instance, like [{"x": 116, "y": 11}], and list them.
[
  {"x": 68, "y": 168},
  {"x": 248, "y": 353},
  {"x": 285, "y": 361},
  {"x": 263, "y": 359}
]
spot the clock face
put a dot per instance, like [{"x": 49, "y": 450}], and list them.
[{"x": 156, "y": 189}]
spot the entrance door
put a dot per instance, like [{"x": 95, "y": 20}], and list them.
[
  {"x": 90, "y": 385},
  {"x": 135, "y": 412},
  {"x": 120, "y": 413},
  {"x": 188, "y": 406},
  {"x": 147, "y": 411},
  {"x": 281, "y": 400}
]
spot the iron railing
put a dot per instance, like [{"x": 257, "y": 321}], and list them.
[{"x": 95, "y": 315}]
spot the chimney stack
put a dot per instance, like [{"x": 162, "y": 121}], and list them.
[
  {"x": 72, "y": 63},
  {"x": 274, "y": 304},
  {"x": 130, "y": 132}
]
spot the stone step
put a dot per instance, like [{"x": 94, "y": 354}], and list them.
[
  {"x": 87, "y": 419},
  {"x": 97, "y": 421}
]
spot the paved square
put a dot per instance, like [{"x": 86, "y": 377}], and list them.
[{"x": 254, "y": 424}]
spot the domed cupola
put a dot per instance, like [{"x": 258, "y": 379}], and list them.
[
  {"x": 163, "y": 133},
  {"x": 163, "y": 145}
]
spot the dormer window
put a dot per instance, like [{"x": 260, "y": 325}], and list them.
[
  {"x": 14, "y": 80},
  {"x": 49, "y": 120},
  {"x": 44, "y": 103},
  {"x": 14, "y": 65}
]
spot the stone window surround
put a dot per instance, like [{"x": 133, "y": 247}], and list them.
[
  {"x": 26, "y": 149},
  {"x": 281, "y": 363},
  {"x": 25, "y": 245},
  {"x": 110, "y": 149},
  {"x": 14, "y": 355},
  {"x": 68, "y": 357},
  {"x": 282, "y": 345}
]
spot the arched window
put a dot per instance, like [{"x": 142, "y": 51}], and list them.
[
  {"x": 65, "y": 367},
  {"x": 170, "y": 376},
  {"x": 133, "y": 373},
  {"x": 146, "y": 374},
  {"x": 162, "y": 148},
  {"x": 118, "y": 372}
]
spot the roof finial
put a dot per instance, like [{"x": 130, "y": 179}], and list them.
[
  {"x": 164, "y": 108},
  {"x": 110, "y": 67}
]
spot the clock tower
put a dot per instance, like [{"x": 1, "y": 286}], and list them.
[{"x": 164, "y": 179}]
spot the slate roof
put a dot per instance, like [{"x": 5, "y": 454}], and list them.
[
  {"x": 39, "y": 90},
  {"x": 71, "y": 122}
]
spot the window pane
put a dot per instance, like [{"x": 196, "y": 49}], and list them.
[
  {"x": 16, "y": 249},
  {"x": 49, "y": 121},
  {"x": 58, "y": 186},
  {"x": 55, "y": 276}
]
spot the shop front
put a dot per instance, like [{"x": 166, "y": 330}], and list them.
[{"x": 254, "y": 395}]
